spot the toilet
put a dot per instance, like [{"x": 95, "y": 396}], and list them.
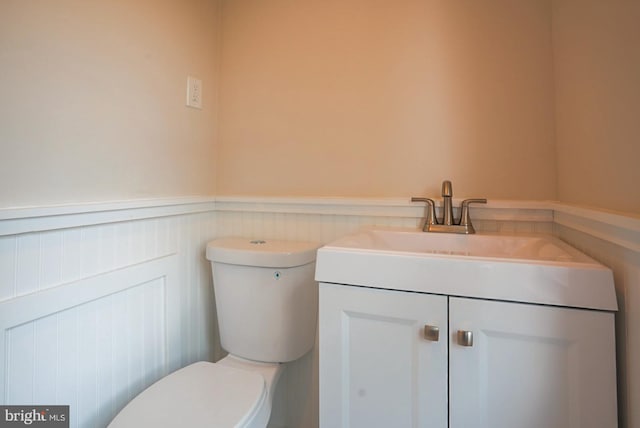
[{"x": 266, "y": 301}]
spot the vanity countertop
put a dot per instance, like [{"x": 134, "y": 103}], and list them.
[{"x": 538, "y": 269}]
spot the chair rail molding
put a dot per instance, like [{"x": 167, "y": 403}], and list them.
[{"x": 14, "y": 221}]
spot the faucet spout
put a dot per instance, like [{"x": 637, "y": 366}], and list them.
[{"x": 447, "y": 194}]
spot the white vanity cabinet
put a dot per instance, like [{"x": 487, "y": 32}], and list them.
[
  {"x": 376, "y": 367},
  {"x": 493, "y": 365}
]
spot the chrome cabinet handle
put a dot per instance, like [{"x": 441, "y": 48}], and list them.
[
  {"x": 432, "y": 333},
  {"x": 465, "y": 338}
]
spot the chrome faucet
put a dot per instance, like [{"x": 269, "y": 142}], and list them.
[{"x": 448, "y": 223}]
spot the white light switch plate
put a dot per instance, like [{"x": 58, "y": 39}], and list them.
[{"x": 194, "y": 92}]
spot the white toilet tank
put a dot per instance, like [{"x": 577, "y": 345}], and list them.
[{"x": 266, "y": 297}]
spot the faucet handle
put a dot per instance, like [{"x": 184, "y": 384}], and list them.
[
  {"x": 473, "y": 201},
  {"x": 465, "y": 219},
  {"x": 430, "y": 211}
]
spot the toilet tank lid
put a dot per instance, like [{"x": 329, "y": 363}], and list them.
[{"x": 261, "y": 252}]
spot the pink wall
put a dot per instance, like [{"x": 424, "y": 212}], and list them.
[
  {"x": 379, "y": 98},
  {"x": 597, "y": 74}
]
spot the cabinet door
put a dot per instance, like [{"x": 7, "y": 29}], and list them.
[
  {"x": 531, "y": 366},
  {"x": 377, "y": 368}
]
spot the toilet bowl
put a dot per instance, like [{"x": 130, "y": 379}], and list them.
[
  {"x": 230, "y": 393},
  {"x": 266, "y": 300}
]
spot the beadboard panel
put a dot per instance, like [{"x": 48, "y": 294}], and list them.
[
  {"x": 40, "y": 260},
  {"x": 499, "y": 210},
  {"x": 324, "y": 228},
  {"x": 94, "y": 314},
  {"x": 51, "y": 249},
  {"x": 93, "y": 344},
  {"x": 625, "y": 264},
  {"x": 614, "y": 240},
  {"x": 296, "y": 400}
]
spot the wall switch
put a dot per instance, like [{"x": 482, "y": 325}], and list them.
[{"x": 194, "y": 92}]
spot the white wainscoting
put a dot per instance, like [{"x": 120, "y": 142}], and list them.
[
  {"x": 93, "y": 343},
  {"x": 323, "y": 220},
  {"x": 94, "y": 313},
  {"x": 611, "y": 238},
  {"x": 113, "y": 268},
  {"x": 614, "y": 240}
]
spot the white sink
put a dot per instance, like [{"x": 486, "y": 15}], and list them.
[
  {"x": 530, "y": 269},
  {"x": 534, "y": 249}
]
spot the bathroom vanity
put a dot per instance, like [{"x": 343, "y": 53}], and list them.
[{"x": 438, "y": 330}]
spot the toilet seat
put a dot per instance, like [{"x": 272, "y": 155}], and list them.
[{"x": 202, "y": 394}]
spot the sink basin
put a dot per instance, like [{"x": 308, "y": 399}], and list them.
[
  {"x": 529, "y": 269},
  {"x": 530, "y": 248}
]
